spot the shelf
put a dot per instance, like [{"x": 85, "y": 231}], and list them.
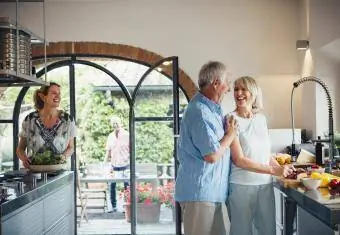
[
  {"x": 10, "y": 78},
  {"x": 22, "y": 0},
  {"x": 7, "y": 23}
]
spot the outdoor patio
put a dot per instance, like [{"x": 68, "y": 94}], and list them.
[{"x": 114, "y": 223}]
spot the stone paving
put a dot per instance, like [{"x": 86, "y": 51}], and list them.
[{"x": 101, "y": 222}]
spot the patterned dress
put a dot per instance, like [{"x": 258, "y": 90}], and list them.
[{"x": 39, "y": 138}]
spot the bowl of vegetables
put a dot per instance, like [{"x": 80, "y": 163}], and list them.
[{"x": 47, "y": 162}]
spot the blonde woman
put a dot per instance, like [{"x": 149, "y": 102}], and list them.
[{"x": 251, "y": 203}]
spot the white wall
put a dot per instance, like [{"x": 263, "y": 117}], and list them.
[
  {"x": 329, "y": 71},
  {"x": 319, "y": 23},
  {"x": 254, "y": 38}
]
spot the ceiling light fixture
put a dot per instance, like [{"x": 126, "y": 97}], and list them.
[{"x": 302, "y": 44}]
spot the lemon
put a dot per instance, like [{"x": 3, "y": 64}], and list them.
[
  {"x": 288, "y": 160},
  {"x": 325, "y": 179},
  {"x": 315, "y": 175},
  {"x": 281, "y": 160}
]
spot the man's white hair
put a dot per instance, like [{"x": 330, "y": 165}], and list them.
[
  {"x": 115, "y": 122},
  {"x": 211, "y": 71}
]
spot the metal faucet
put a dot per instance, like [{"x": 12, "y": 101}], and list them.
[{"x": 330, "y": 138}]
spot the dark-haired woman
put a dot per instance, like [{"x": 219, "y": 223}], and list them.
[{"x": 47, "y": 128}]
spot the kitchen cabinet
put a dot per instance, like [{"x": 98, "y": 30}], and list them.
[
  {"x": 27, "y": 220},
  {"x": 305, "y": 212},
  {"x": 47, "y": 208},
  {"x": 310, "y": 225},
  {"x": 58, "y": 208},
  {"x": 279, "y": 211},
  {"x": 284, "y": 214}
]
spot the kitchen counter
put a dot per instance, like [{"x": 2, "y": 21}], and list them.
[
  {"x": 318, "y": 204},
  {"x": 39, "y": 204},
  {"x": 32, "y": 191}
]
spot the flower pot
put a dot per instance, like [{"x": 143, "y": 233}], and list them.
[
  {"x": 127, "y": 208},
  {"x": 146, "y": 213}
]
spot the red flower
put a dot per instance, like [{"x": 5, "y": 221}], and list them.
[
  {"x": 166, "y": 193},
  {"x": 144, "y": 194}
]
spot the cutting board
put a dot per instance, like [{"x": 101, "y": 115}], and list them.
[
  {"x": 288, "y": 182},
  {"x": 305, "y": 157}
]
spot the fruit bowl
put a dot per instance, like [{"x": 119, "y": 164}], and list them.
[
  {"x": 311, "y": 184},
  {"x": 47, "y": 168}
]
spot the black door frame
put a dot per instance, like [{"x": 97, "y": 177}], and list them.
[{"x": 132, "y": 118}]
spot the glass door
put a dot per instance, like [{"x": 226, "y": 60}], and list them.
[{"x": 154, "y": 124}]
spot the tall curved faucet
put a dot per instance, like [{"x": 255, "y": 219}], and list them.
[{"x": 330, "y": 139}]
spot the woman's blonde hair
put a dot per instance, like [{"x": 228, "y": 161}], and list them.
[
  {"x": 43, "y": 90},
  {"x": 255, "y": 91}
]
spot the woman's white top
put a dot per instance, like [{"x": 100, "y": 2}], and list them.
[{"x": 254, "y": 139}]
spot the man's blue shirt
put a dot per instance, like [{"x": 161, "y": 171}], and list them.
[{"x": 202, "y": 127}]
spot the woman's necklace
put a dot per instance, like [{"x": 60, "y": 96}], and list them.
[{"x": 49, "y": 121}]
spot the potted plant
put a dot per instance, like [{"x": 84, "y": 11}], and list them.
[
  {"x": 166, "y": 193},
  {"x": 148, "y": 203}
]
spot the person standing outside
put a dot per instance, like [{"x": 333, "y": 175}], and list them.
[
  {"x": 204, "y": 147},
  {"x": 118, "y": 154}
]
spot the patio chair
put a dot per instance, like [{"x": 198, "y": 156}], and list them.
[
  {"x": 96, "y": 191},
  {"x": 148, "y": 170},
  {"x": 81, "y": 202}
]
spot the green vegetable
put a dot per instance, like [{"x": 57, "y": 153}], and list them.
[{"x": 47, "y": 158}]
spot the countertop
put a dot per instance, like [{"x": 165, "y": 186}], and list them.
[
  {"x": 317, "y": 202},
  {"x": 32, "y": 189}
]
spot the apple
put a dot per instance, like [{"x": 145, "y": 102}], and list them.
[{"x": 334, "y": 183}]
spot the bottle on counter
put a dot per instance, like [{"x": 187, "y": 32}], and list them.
[{"x": 318, "y": 152}]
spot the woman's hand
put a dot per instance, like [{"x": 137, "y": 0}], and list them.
[
  {"x": 63, "y": 158},
  {"x": 288, "y": 169},
  {"x": 231, "y": 126},
  {"x": 279, "y": 170},
  {"x": 25, "y": 161}
]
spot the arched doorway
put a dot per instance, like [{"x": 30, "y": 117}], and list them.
[{"x": 137, "y": 117}]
